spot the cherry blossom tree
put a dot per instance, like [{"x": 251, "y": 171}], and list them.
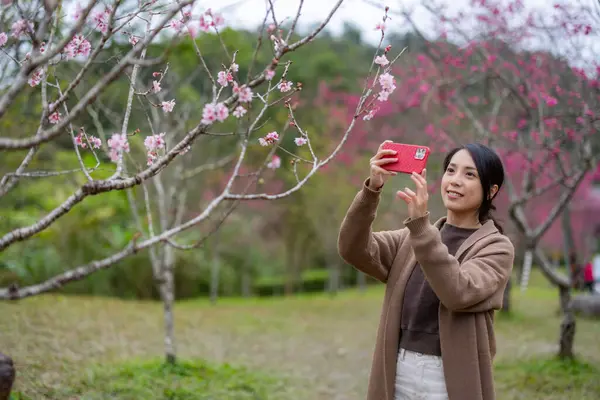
[
  {"x": 524, "y": 81},
  {"x": 50, "y": 51}
]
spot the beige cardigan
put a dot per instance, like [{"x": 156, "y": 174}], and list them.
[{"x": 470, "y": 287}]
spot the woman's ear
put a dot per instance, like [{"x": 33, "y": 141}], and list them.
[{"x": 493, "y": 192}]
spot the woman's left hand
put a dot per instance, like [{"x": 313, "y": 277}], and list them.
[{"x": 417, "y": 202}]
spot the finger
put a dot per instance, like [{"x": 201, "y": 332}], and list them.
[
  {"x": 401, "y": 195},
  {"x": 412, "y": 194},
  {"x": 417, "y": 181},
  {"x": 383, "y": 144},
  {"x": 424, "y": 174},
  {"x": 420, "y": 178},
  {"x": 383, "y": 161},
  {"x": 386, "y": 152},
  {"x": 382, "y": 171}
]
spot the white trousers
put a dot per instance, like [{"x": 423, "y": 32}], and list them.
[{"x": 419, "y": 377}]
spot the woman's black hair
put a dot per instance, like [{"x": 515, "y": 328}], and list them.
[{"x": 491, "y": 172}]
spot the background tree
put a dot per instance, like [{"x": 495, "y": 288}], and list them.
[
  {"x": 483, "y": 76},
  {"x": 81, "y": 63}
]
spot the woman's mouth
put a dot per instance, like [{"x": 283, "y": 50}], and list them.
[{"x": 453, "y": 195}]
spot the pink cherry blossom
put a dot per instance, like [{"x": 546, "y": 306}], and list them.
[
  {"x": 244, "y": 93},
  {"x": 274, "y": 163},
  {"x": 218, "y": 20},
  {"x": 176, "y": 25},
  {"x": 117, "y": 144},
  {"x": 551, "y": 101},
  {"x": 221, "y": 111},
  {"x": 387, "y": 82},
  {"x": 269, "y": 74},
  {"x": 239, "y": 112},
  {"x": 300, "y": 141},
  {"x": 192, "y": 29},
  {"x": 382, "y": 60},
  {"x": 54, "y": 117},
  {"x": 77, "y": 11},
  {"x": 235, "y": 67},
  {"x": 270, "y": 138},
  {"x": 94, "y": 141},
  {"x": 153, "y": 144},
  {"x": 36, "y": 77},
  {"x": 20, "y": 27},
  {"x": 209, "y": 114},
  {"x": 156, "y": 86},
  {"x": 383, "y": 95},
  {"x": 133, "y": 40},
  {"x": 3, "y": 39},
  {"x": 78, "y": 46},
  {"x": 369, "y": 116},
  {"x": 224, "y": 77},
  {"x": 380, "y": 26},
  {"x": 214, "y": 112},
  {"x": 100, "y": 20},
  {"x": 210, "y": 20},
  {"x": 285, "y": 86},
  {"x": 167, "y": 106},
  {"x": 204, "y": 24}
]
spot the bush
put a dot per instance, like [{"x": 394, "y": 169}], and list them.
[{"x": 311, "y": 280}]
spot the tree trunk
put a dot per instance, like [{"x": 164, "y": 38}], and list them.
[
  {"x": 361, "y": 281},
  {"x": 167, "y": 294},
  {"x": 567, "y": 326},
  {"x": 7, "y": 376},
  {"x": 506, "y": 297},
  {"x": 215, "y": 269},
  {"x": 569, "y": 246},
  {"x": 246, "y": 281},
  {"x": 334, "y": 278},
  {"x": 527, "y": 263}
]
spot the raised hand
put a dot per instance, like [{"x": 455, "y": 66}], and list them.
[
  {"x": 417, "y": 201},
  {"x": 378, "y": 175}
]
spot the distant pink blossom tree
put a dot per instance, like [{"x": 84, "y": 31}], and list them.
[{"x": 523, "y": 81}]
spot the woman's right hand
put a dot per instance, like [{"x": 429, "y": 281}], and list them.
[{"x": 379, "y": 175}]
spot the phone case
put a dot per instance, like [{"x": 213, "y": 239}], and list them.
[{"x": 411, "y": 158}]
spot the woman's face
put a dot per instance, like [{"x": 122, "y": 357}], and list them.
[{"x": 461, "y": 188}]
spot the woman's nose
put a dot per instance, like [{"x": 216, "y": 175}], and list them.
[{"x": 455, "y": 182}]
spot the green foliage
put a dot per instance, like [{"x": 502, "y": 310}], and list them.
[
  {"x": 311, "y": 280},
  {"x": 186, "y": 380}
]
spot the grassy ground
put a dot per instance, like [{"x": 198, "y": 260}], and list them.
[{"x": 306, "y": 347}]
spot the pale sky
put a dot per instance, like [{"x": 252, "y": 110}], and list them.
[{"x": 250, "y": 13}]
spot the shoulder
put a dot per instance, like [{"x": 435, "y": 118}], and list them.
[{"x": 495, "y": 243}]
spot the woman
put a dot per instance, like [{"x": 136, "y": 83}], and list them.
[{"x": 443, "y": 281}]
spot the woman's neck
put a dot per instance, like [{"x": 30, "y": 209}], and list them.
[{"x": 469, "y": 221}]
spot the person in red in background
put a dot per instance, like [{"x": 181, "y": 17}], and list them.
[
  {"x": 588, "y": 277},
  {"x": 576, "y": 278}
]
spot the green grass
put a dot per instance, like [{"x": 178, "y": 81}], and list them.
[
  {"x": 154, "y": 379},
  {"x": 544, "y": 378},
  {"x": 304, "y": 347}
]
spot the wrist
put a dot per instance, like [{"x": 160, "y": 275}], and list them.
[{"x": 375, "y": 186}]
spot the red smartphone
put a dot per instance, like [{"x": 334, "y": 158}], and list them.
[{"x": 411, "y": 158}]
